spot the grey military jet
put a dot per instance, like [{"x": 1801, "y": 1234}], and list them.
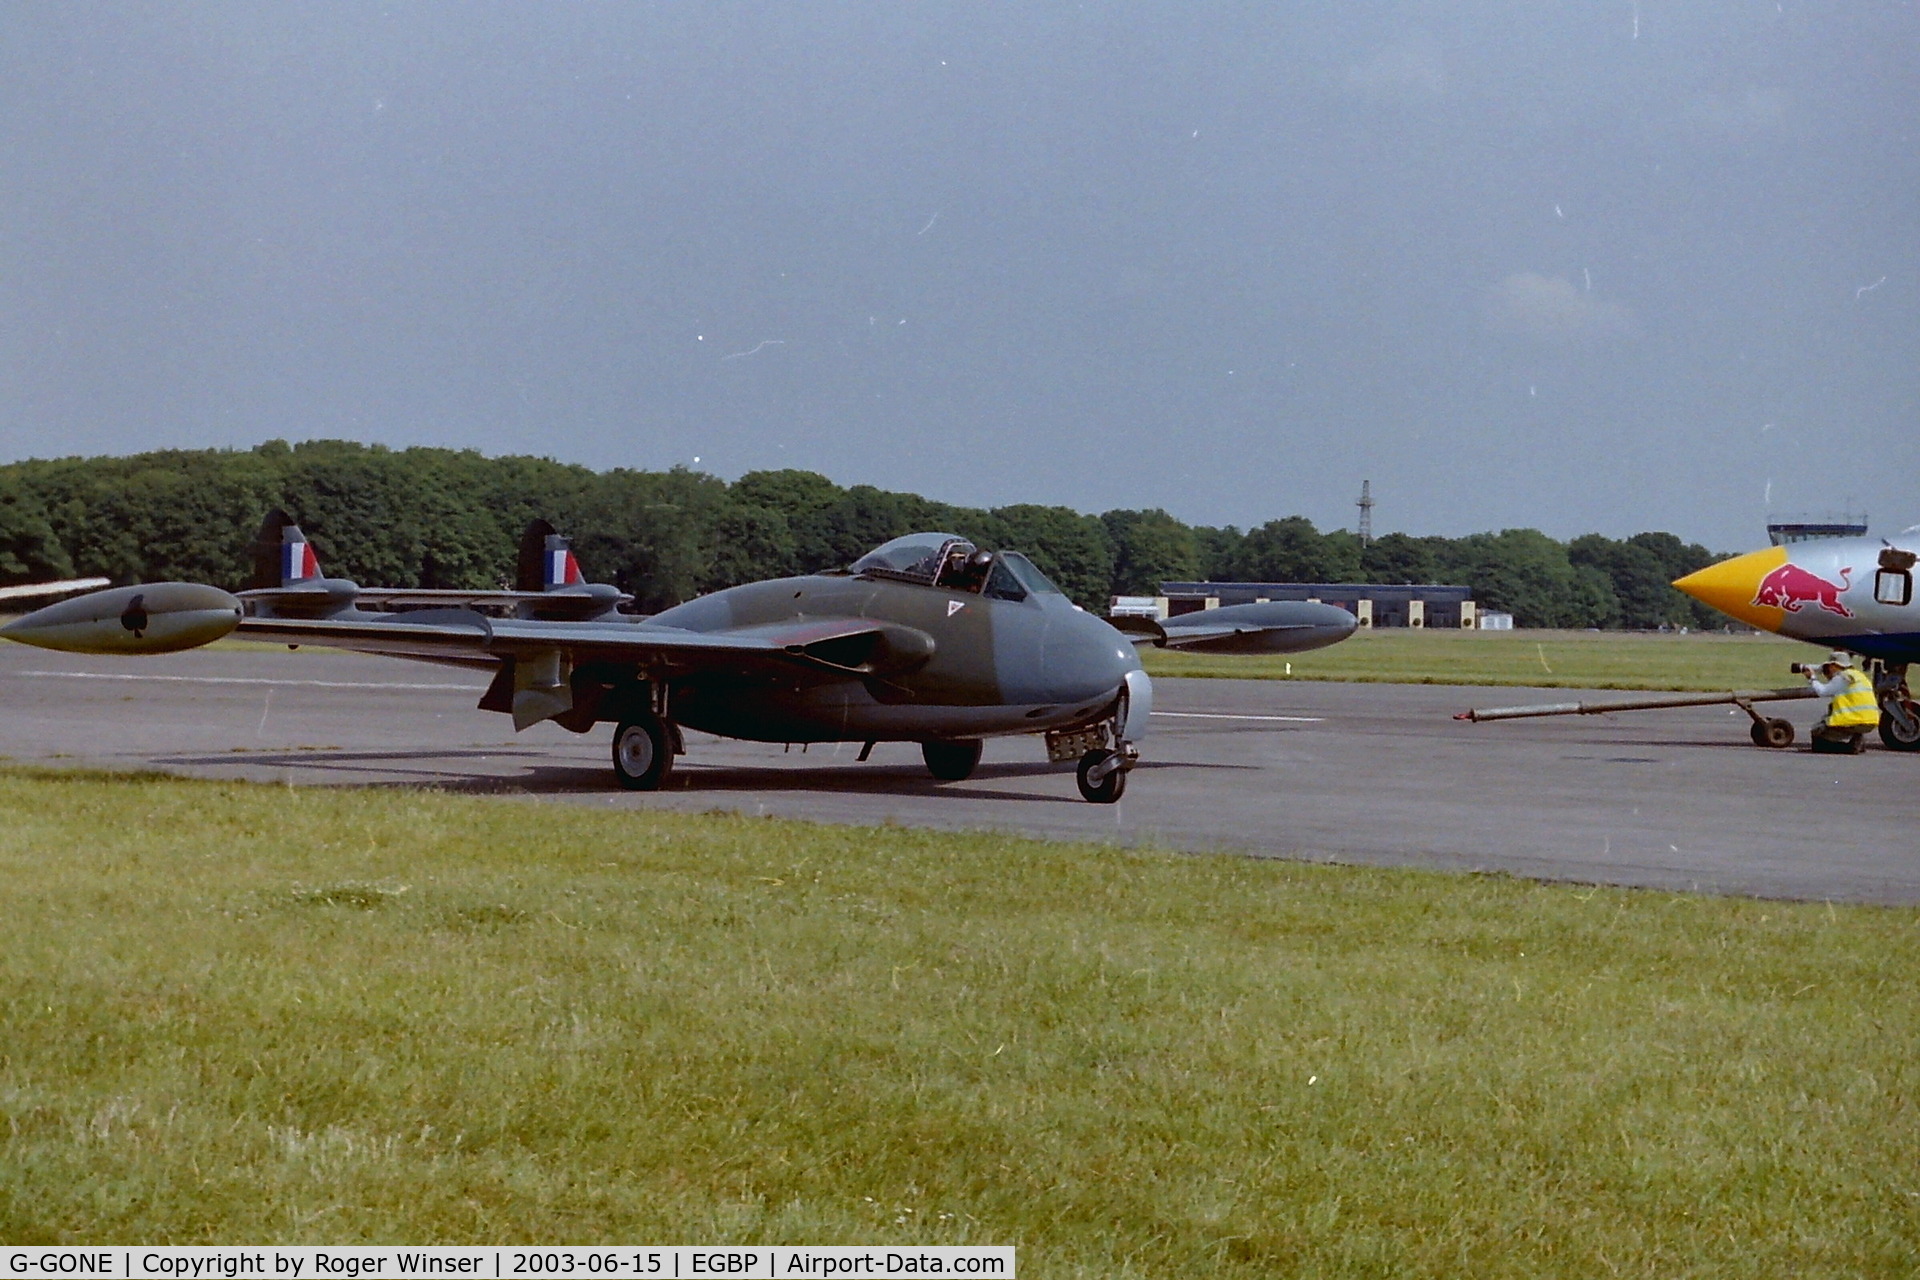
[
  {"x": 926, "y": 639},
  {"x": 1267, "y": 626}
]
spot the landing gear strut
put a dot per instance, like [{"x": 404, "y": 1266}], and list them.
[{"x": 1102, "y": 772}]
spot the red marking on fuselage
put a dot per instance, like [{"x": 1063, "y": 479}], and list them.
[{"x": 1790, "y": 586}]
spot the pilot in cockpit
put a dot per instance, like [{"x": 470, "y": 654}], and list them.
[{"x": 965, "y": 569}]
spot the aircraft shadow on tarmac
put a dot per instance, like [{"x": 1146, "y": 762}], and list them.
[
  {"x": 694, "y": 779},
  {"x": 319, "y": 759},
  {"x": 550, "y": 778}
]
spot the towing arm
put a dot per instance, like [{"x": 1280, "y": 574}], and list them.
[
  {"x": 1765, "y": 733},
  {"x": 1742, "y": 698}
]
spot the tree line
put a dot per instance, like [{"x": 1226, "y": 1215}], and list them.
[{"x": 425, "y": 517}]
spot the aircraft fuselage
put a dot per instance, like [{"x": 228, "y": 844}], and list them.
[
  {"x": 1843, "y": 593},
  {"x": 994, "y": 666}
]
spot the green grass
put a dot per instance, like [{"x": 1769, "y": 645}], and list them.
[
  {"x": 1558, "y": 659},
  {"x": 234, "y": 1013}
]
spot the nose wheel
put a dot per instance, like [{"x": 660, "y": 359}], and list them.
[{"x": 1102, "y": 775}]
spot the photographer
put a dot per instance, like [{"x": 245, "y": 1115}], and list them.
[{"x": 1854, "y": 709}]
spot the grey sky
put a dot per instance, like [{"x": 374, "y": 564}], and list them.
[{"x": 1580, "y": 266}]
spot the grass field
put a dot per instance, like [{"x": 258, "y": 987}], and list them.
[
  {"x": 234, "y": 1013},
  {"x": 1559, "y": 659}
]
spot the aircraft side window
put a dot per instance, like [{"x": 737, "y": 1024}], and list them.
[
  {"x": 1030, "y": 576},
  {"x": 1002, "y": 584},
  {"x": 1893, "y": 586}
]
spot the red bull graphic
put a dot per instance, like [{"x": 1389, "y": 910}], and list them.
[{"x": 1790, "y": 586}]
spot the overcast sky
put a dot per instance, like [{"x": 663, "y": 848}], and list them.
[{"x": 1580, "y": 266}]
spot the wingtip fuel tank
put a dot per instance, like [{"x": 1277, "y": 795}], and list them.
[{"x": 153, "y": 617}]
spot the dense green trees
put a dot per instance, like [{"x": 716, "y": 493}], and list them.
[
  {"x": 1149, "y": 548},
  {"x": 28, "y": 548},
  {"x": 452, "y": 518}
]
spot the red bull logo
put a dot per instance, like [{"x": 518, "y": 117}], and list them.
[{"x": 1790, "y": 586}]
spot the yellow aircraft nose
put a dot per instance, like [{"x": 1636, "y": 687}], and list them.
[{"x": 1733, "y": 587}]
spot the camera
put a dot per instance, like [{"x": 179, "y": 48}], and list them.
[{"x": 1801, "y": 668}]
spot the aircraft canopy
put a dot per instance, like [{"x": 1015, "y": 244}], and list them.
[{"x": 949, "y": 560}]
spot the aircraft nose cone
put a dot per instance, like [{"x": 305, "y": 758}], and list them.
[
  {"x": 1732, "y": 586},
  {"x": 1087, "y": 658},
  {"x": 1339, "y": 624}
]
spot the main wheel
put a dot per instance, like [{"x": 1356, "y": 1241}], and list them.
[
  {"x": 1109, "y": 788},
  {"x": 642, "y": 753},
  {"x": 1894, "y": 738},
  {"x": 1771, "y": 733},
  {"x": 951, "y": 761}
]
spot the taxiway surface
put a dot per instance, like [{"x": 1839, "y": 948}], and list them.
[{"x": 1358, "y": 773}]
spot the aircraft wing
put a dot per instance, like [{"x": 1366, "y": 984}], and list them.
[
  {"x": 325, "y": 591},
  {"x": 31, "y": 590},
  {"x": 844, "y": 645}
]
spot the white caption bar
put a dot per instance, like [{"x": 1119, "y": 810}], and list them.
[{"x": 503, "y": 1262}]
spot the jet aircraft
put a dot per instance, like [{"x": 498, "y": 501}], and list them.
[
  {"x": 1274, "y": 626},
  {"x": 925, "y": 639},
  {"x": 1839, "y": 593}
]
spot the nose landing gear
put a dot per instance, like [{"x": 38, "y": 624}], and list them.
[
  {"x": 1102, "y": 774},
  {"x": 1102, "y": 769}
]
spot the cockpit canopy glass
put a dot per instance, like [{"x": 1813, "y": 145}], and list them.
[
  {"x": 917, "y": 556},
  {"x": 948, "y": 560}
]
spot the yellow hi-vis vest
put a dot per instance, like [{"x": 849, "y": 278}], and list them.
[{"x": 1854, "y": 707}]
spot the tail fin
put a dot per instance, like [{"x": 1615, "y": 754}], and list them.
[
  {"x": 282, "y": 556},
  {"x": 546, "y": 561}
]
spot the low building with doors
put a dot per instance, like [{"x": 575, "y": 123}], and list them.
[{"x": 1374, "y": 604}]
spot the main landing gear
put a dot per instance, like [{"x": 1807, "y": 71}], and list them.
[
  {"x": 1899, "y": 714},
  {"x": 642, "y": 752},
  {"x": 951, "y": 761}
]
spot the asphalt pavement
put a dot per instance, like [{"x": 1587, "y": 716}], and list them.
[{"x": 1355, "y": 773}]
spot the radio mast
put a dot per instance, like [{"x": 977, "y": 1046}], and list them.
[{"x": 1366, "y": 512}]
